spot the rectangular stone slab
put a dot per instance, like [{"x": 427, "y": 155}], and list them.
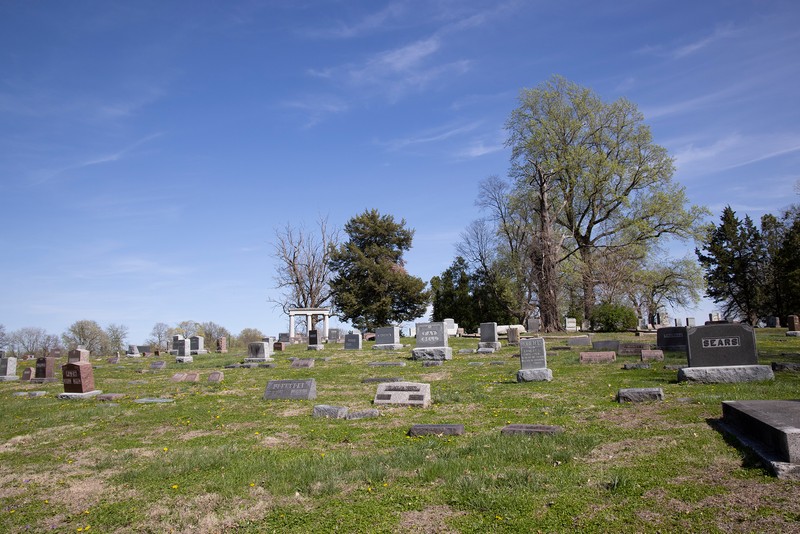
[
  {"x": 597, "y": 357},
  {"x": 404, "y": 393},
  {"x": 436, "y": 430},
  {"x": 291, "y": 389},
  {"x": 721, "y": 345},
  {"x": 773, "y": 423},
  {"x": 532, "y": 353},
  {"x": 530, "y": 430},
  {"x": 632, "y": 349},
  {"x": 671, "y": 338}
]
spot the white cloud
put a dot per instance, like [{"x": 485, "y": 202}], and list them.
[
  {"x": 432, "y": 136},
  {"x": 732, "y": 151}
]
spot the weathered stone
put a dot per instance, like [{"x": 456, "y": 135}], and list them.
[
  {"x": 216, "y": 377},
  {"x": 475, "y": 364},
  {"x": 606, "y": 345},
  {"x": 432, "y": 343},
  {"x": 153, "y": 400},
  {"x": 637, "y": 365},
  {"x": 404, "y": 393},
  {"x": 436, "y": 430},
  {"x": 466, "y": 351},
  {"x": 432, "y": 363},
  {"x": 532, "y": 353},
  {"x": 579, "y": 341},
  {"x": 671, "y": 338},
  {"x": 387, "y": 338},
  {"x": 27, "y": 374},
  {"x": 29, "y": 394},
  {"x": 653, "y": 355},
  {"x": 785, "y": 366},
  {"x": 793, "y": 333},
  {"x": 78, "y": 377},
  {"x": 303, "y": 363},
  {"x": 330, "y": 412},
  {"x": 534, "y": 375},
  {"x": 597, "y": 357},
  {"x": 674, "y": 367},
  {"x": 291, "y": 389},
  {"x": 640, "y": 394},
  {"x": 363, "y": 414},
  {"x": 184, "y": 359},
  {"x": 352, "y": 342},
  {"x": 8, "y": 369},
  {"x": 380, "y": 380},
  {"x": 486, "y": 350},
  {"x": 106, "y": 397},
  {"x": 432, "y": 353},
  {"x": 632, "y": 349},
  {"x": 158, "y": 365},
  {"x": 721, "y": 345},
  {"x": 726, "y": 374},
  {"x": 387, "y": 364},
  {"x": 529, "y": 430}
]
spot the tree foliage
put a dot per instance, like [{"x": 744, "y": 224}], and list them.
[
  {"x": 160, "y": 336},
  {"x": 116, "y": 335},
  {"x": 87, "y": 333},
  {"x": 610, "y": 317},
  {"x": 370, "y": 285}
]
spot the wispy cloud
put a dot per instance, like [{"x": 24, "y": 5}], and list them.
[
  {"x": 368, "y": 24},
  {"x": 317, "y": 107},
  {"x": 733, "y": 151},
  {"x": 479, "y": 148},
  {"x": 434, "y": 135},
  {"x": 682, "y": 50}
]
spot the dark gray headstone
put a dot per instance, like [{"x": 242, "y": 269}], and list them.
[
  {"x": 606, "y": 344},
  {"x": 291, "y": 389},
  {"x": 284, "y": 337},
  {"x": 334, "y": 335},
  {"x": 579, "y": 341},
  {"x": 671, "y": 338},
  {"x": 352, "y": 342},
  {"x": 721, "y": 344},
  {"x": 330, "y": 412},
  {"x": 387, "y": 335},
  {"x": 532, "y": 353},
  {"x": 773, "y": 423},
  {"x": 488, "y": 333},
  {"x": 640, "y": 394},
  {"x": 431, "y": 335},
  {"x": 313, "y": 337}
]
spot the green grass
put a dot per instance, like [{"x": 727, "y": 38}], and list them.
[{"x": 220, "y": 458}]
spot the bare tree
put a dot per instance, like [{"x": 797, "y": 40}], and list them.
[
  {"x": 88, "y": 334},
  {"x": 29, "y": 340},
  {"x": 159, "y": 335},
  {"x": 186, "y": 329},
  {"x": 116, "y": 334},
  {"x": 302, "y": 274},
  {"x": 3, "y": 337}
]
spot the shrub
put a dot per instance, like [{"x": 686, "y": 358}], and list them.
[{"x": 608, "y": 317}]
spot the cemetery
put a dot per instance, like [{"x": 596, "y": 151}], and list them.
[{"x": 523, "y": 437}]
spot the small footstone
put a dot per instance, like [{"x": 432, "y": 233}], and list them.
[
  {"x": 432, "y": 363},
  {"x": 330, "y": 412},
  {"x": 381, "y": 380},
  {"x": 110, "y": 396},
  {"x": 530, "y": 430},
  {"x": 265, "y": 365},
  {"x": 233, "y": 365},
  {"x": 436, "y": 430},
  {"x": 726, "y": 374},
  {"x": 640, "y": 394},
  {"x": 629, "y": 366},
  {"x": 475, "y": 364},
  {"x": 793, "y": 333},
  {"x": 534, "y": 375},
  {"x": 486, "y": 351},
  {"x": 387, "y": 364},
  {"x": 363, "y": 414},
  {"x": 149, "y": 400},
  {"x": 785, "y": 366},
  {"x": 30, "y": 394},
  {"x": 466, "y": 351}
]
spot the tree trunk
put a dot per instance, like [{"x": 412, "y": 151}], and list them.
[
  {"x": 587, "y": 281},
  {"x": 547, "y": 251}
]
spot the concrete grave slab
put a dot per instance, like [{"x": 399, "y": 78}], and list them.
[
  {"x": 291, "y": 389},
  {"x": 726, "y": 374},
  {"x": 436, "y": 430},
  {"x": 530, "y": 430},
  {"x": 640, "y": 395},
  {"x": 404, "y": 394}
]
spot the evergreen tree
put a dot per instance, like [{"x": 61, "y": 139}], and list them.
[{"x": 371, "y": 287}]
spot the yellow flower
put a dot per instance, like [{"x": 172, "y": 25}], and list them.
[
  {"x": 258, "y": 433},
  {"x": 252, "y": 484},
  {"x": 166, "y": 449},
  {"x": 174, "y": 486}
]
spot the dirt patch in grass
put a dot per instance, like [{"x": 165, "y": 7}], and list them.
[
  {"x": 431, "y": 520},
  {"x": 627, "y": 451},
  {"x": 12, "y": 443},
  {"x": 278, "y": 440}
]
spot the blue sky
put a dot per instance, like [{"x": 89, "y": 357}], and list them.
[{"x": 149, "y": 150}]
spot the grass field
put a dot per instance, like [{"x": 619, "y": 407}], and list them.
[{"x": 219, "y": 458}]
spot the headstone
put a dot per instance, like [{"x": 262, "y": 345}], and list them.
[
  {"x": 533, "y": 361},
  {"x": 197, "y": 345},
  {"x": 432, "y": 363},
  {"x": 785, "y": 366},
  {"x": 133, "y": 352},
  {"x": 279, "y": 346},
  {"x": 606, "y": 344},
  {"x": 284, "y": 337},
  {"x": 330, "y": 412},
  {"x": 184, "y": 359},
  {"x": 513, "y": 335},
  {"x": 144, "y": 350},
  {"x": 632, "y": 349},
  {"x": 714, "y": 317},
  {"x": 387, "y": 364},
  {"x": 314, "y": 341},
  {"x": 586, "y": 326},
  {"x": 8, "y": 369},
  {"x": 259, "y": 351},
  {"x": 436, "y": 430},
  {"x": 432, "y": 343},
  {"x": 671, "y": 338},
  {"x": 27, "y": 373},
  {"x": 303, "y": 363},
  {"x": 451, "y": 327},
  {"x": 530, "y": 430},
  {"x": 678, "y": 322},
  {"x": 793, "y": 323},
  {"x": 45, "y": 367},
  {"x": 387, "y": 338},
  {"x": 571, "y": 324},
  {"x": 637, "y": 365},
  {"x": 404, "y": 393},
  {"x": 185, "y": 348},
  {"x": 114, "y": 360},
  {"x": 579, "y": 341},
  {"x": 158, "y": 365},
  {"x": 216, "y": 377},
  {"x": 177, "y": 344},
  {"x": 721, "y": 344},
  {"x": 640, "y": 394},
  {"x": 533, "y": 325},
  {"x": 363, "y": 414},
  {"x": 489, "y": 339},
  {"x": 78, "y": 355},
  {"x": 597, "y": 357},
  {"x": 352, "y": 342},
  {"x": 192, "y": 377},
  {"x": 380, "y": 380},
  {"x": 334, "y": 335},
  {"x": 291, "y": 389},
  {"x": 652, "y": 355},
  {"x": 78, "y": 377},
  {"x": 726, "y": 374},
  {"x": 690, "y": 321},
  {"x": 178, "y": 377},
  {"x": 222, "y": 345}
]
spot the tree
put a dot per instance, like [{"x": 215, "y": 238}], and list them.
[
  {"x": 186, "y": 329},
  {"x": 302, "y": 272},
  {"x": 249, "y": 335},
  {"x": 160, "y": 336},
  {"x": 787, "y": 261},
  {"x": 676, "y": 283},
  {"x": 3, "y": 337},
  {"x": 592, "y": 169},
  {"x": 116, "y": 335},
  {"x": 88, "y": 334},
  {"x": 371, "y": 287},
  {"x": 211, "y": 331},
  {"x": 30, "y": 340},
  {"x": 731, "y": 259}
]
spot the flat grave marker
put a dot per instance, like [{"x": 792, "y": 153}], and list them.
[
  {"x": 597, "y": 357},
  {"x": 291, "y": 389},
  {"x": 404, "y": 394}
]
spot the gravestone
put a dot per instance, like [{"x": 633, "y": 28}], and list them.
[
  {"x": 793, "y": 323},
  {"x": 291, "y": 389},
  {"x": 197, "y": 345},
  {"x": 27, "y": 374},
  {"x": 185, "y": 348},
  {"x": 530, "y": 430},
  {"x": 773, "y": 322},
  {"x": 404, "y": 394},
  {"x": 432, "y": 343},
  {"x": 671, "y": 338},
  {"x": 192, "y": 377},
  {"x": 690, "y": 321},
  {"x": 436, "y": 430},
  {"x": 178, "y": 377},
  {"x": 598, "y": 357},
  {"x": 570, "y": 324},
  {"x": 640, "y": 395},
  {"x": 533, "y": 325},
  {"x": 606, "y": 344},
  {"x": 303, "y": 363},
  {"x": 387, "y": 338},
  {"x": 579, "y": 341},
  {"x": 714, "y": 317},
  {"x": 132, "y": 352},
  {"x": 284, "y": 337},
  {"x": 632, "y": 349},
  {"x": 513, "y": 335},
  {"x": 533, "y": 361},
  {"x": 330, "y": 412},
  {"x": 184, "y": 359},
  {"x": 279, "y": 346},
  {"x": 721, "y": 345},
  {"x": 222, "y": 345},
  {"x": 78, "y": 355},
  {"x": 334, "y": 335},
  {"x": 45, "y": 367},
  {"x": 314, "y": 341},
  {"x": 8, "y": 369},
  {"x": 678, "y": 322},
  {"x": 78, "y": 377},
  {"x": 652, "y": 355},
  {"x": 489, "y": 339},
  {"x": 451, "y": 327},
  {"x": 258, "y": 351},
  {"x": 216, "y": 377},
  {"x": 352, "y": 342},
  {"x": 158, "y": 365},
  {"x": 144, "y": 350},
  {"x": 177, "y": 344},
  {"x": 114, "y": 359}
]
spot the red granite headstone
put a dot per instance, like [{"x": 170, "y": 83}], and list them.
[
  {"x": 78, "y": 355},
  {"x": 78, "y": 377},
  {"x": 793, "y": 323},
  {"x": 45, "y": 368}
]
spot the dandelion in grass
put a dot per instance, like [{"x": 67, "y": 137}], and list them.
[
  {"x": 166, "y": 449},
  {"x": 252, "y": 484},
  {"x": 174, "y": 486}
]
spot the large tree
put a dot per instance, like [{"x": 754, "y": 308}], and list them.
[
  {"x": 87, "y": 333},
  {"x": 116, "y": 334},
  {"x": 302, "y": 270},
  {"x": 655, "y": 285},
  {"x": 592, "y": 169},
  {"x": 160, "y": 336},
  {"x": 371, "y": 287}
]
